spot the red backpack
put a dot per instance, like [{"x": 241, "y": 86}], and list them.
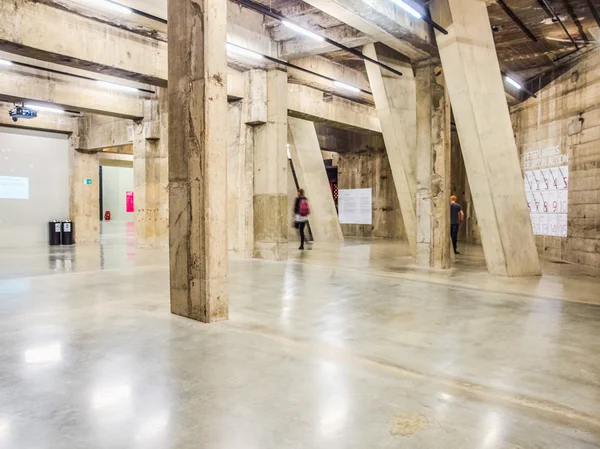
[{"x": 304, "y": 208}]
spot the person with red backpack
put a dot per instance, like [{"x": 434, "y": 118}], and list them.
[{"x": 301, "y": 213}]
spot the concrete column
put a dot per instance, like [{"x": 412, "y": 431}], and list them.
[
  {"x": 151, "y": 175},
  {"x": 240, "y": 181},
  {"x": 198, "y": 159},
  {"x": 270, "y": 173},
  {"x": 482, "y": 118},
  {"x": 395, "y": 101},
  {"x": 84, "y": 199},
  {"x": 433, "y": 170},
  {"x": 312, "y": 177}
]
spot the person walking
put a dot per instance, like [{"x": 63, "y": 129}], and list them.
[
  {"x": 301, "y": 213},
  {"x": 456, "y": 218}
]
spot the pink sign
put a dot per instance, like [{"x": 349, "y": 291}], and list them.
[{"x": 129, "y": 202}]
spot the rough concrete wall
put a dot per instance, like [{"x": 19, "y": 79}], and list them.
[
  {"x": 566, "y": 113},
  {"x": 371, "y": 169}
]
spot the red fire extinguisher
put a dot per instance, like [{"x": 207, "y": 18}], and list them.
[{"x": 107, "y": 215}]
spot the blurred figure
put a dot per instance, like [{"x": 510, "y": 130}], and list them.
[
  {"x": 301, "y": 213},
  {"x": 456, "y": 218}
]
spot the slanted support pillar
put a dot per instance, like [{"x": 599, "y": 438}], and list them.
[
  {"x": 84, "y": 198},
  {"x": 395, "y": 101},
  {"x": 433, "y": 169},
  {"x": 198, "y": 159},
  {"x": 476, "y": 90},
  {"x": 270, "y": 173},
  {"x": 312, "y": 177},
  {"x": 151, "y": 175}
]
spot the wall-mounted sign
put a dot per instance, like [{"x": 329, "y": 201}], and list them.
[
  {"x": 547, "y": 192},
  {"x": 355, "y": 206},
  {"x": 87, "y": 181}
]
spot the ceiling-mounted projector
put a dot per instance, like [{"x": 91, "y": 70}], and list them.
[{"x": 20, "y": 111}]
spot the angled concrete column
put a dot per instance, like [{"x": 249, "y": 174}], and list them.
[
  {"x": 198, "y": 159},
  {"x": 151, "y": 175},
  {"x": 84, "y": 199},
  {"x": 433, "y": 170},
  {"x": 270, "y": 173},
  {"x": 395, "y": 100},
  {"x": 480, "y": 110},
  {"x": 312, "y": 177}
]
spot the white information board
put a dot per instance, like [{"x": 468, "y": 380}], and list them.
[
  {"x": 547, "y": 194},
  {"x": 355, "y": 206},
  {"x": 14, "y": 188}
]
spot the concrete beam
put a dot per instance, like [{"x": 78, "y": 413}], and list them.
[
  {"x": 383, "y": 21},
  {"x": 82, "y": 42},
  {"x": 396, "y": 103},
  {"x": 476, "y": 90},
  {"x": 310, "y": 104},
  {"x": 22, "y": 83},
  {"x": 433, "y": 170},
  {"x": 197, "y": 152},
  {"x": 299, "y": 47},
  {"x": 270, "y": 173},
  {"x": 327, "y": 67},
  {"x": 312, "y": 177},
  {"x": 101, "y": 132}
]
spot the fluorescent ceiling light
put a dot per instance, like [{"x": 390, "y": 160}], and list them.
[
  {"x": 114, "y": 6},
  {"x": 347, "y": 87},
  {"x": 301, "y": 30},
  {"x": 512, "y": 82},
  {"x": 116, "y": 86},
  {"x": 45, "y": 108},
  {"x": 234, "y": 50},
  {"x": 5, "y": 62},
  {"x": 409, "y": 9}
]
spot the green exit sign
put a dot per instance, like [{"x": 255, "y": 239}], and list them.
[{"x": 87, "y": 181}]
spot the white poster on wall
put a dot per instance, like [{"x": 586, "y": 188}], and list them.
[
  {"x": 355, "y": 206},
  {"x": 546, "y": 188}
]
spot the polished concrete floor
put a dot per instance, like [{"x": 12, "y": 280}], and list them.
[{"x": 342, "y": 347}]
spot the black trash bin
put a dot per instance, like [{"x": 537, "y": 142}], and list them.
[
  {"x": 68, "y": 236},
  {"x": 55, "y": 232}
]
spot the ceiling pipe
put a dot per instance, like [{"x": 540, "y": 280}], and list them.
[
  {"x": 139, "y": 12},
  {"x": 594, "y": 11},
  {"x": 74, "y": 75},
  {"x": 301, "y": 69},
  {"x": 575, "y": 20},
  {"x": 552, "y": 14},
  {"x": 509, "y": 12}
]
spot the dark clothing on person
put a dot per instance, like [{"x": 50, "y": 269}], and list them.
[
  {"x": 454, "y": 235},
  {"x": 301, "y": 226},
  {"x": 455, "y": 210}
]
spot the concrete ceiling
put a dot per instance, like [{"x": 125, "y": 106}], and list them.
[
  {"x": 525, "y": 58},
  {"x": 519, "y": 56}
]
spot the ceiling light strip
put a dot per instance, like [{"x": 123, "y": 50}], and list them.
[
  {"x": 74, "y": 75},
  {"x": 122, "y": 8},
  {"x": 516, "y": 85},
  {"x": 296, "y": 67}
]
